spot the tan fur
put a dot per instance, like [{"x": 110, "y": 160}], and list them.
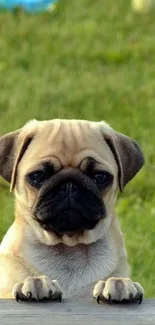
[{"x": 30, "y": 254}]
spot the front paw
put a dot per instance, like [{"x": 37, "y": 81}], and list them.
[
  {"x": 37, "y": 288},
  {"x": 118, "y": 290}
]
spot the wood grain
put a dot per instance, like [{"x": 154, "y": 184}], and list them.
[{"x": 75, "y": 312}]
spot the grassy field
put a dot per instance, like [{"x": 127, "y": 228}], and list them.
[{"x": 94, "y": 60}]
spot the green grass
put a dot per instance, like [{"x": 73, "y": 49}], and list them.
[{"x": 94, "y": 60}]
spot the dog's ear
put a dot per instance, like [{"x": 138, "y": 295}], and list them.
[
  {"x": 12, "y": 148},
  {"x": 7, "y": 154},
  {"x": 127, "y": 154}
]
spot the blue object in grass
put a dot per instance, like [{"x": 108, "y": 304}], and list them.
[{"x": 28, "y": 5}]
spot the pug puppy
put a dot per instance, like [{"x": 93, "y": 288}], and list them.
[{"x": 66, "y": 239}]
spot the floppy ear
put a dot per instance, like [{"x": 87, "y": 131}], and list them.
[
  {"x": 12, "y": 148},
  {"x": 127, "y": 154}
]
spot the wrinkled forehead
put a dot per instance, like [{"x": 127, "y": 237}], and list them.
[{"x": 70, "y": 142}]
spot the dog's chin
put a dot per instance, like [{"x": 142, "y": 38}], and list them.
[
  {"x": 61, "y": 233},
  {"x": 50, "y": 237}
]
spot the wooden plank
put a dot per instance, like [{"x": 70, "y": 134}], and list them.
[{"x": 75, "y": 312}]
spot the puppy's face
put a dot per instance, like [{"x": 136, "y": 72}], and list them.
[{"x": 66, "y": 175}]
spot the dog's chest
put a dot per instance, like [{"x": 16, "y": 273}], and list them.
[{"x": 76, "y": 268}]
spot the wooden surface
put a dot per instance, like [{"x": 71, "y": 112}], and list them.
[{"x": 74, "y": 312}]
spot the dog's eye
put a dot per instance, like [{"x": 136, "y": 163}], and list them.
[
  {"x": 102, "y": 179},
  {"x": 38, "y": 177}
]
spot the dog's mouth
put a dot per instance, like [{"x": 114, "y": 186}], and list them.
[
  {"x": 69, "y": 222},
  {"x": 69, "y": 204},
  {"x": 67, "y": 227}
]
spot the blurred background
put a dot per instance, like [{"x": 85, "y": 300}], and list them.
[{"x": 90, "y": 60}]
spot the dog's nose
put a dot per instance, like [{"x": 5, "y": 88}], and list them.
[{"x": 68, "y": 188}]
